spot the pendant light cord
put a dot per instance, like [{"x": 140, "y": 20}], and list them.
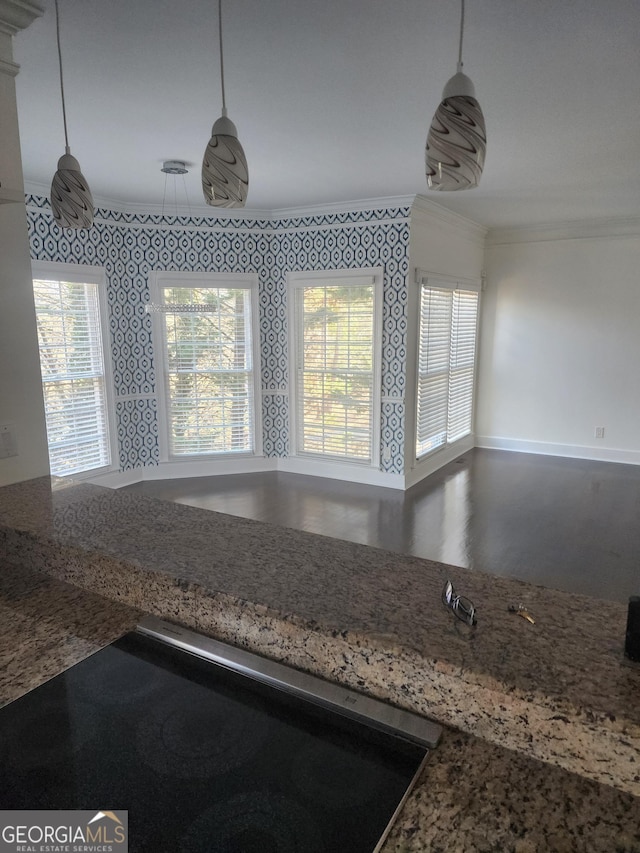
[
  {"x": 224, "y": 102},
  {"x": 461, "y": 34},
  {"x": 64, "y": 110}
]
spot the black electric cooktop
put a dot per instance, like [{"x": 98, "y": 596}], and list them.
[{"x": 205, "y": 759}]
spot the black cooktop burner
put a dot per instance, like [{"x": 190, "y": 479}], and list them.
[
  {"x": 211, "y": 735},
  {"x": 205, "y": 760},
  {"x": 260, "y": 822}
]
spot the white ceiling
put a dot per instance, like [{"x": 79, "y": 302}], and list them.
[{"x": 333, "y": 99}]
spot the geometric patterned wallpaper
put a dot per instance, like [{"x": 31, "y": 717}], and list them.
[{"x": 129, "y": 246}]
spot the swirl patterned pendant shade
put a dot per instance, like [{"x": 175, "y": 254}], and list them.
[
  {"x": 71, "y": 199},
  {"x": 225, "y": 176},
  {"x": 457, "y": 138}
]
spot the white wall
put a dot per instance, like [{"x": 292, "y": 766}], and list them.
[
  {"x": 560, "y": 346},
  {"x": 445, "y": 243},
  {"x": 21, "y": 403}
]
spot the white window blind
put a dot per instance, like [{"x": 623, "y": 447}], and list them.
[
  {"x": 335, "y": 368},
  {"x": 446, "y": 366},
  {"x": 73, "y": 375},
  {"x": 208, "y": 369},
  {"x": 464, "y": 316}
]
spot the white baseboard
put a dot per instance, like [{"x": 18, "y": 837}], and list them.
[
  {"x": 430, "y": 464},
  {"x": 117, "y": 479},
  {"x": 177, "y": 470},
  {"x": 340, "y": 471},
  {"x": 357, "y": 473},
  {"x": 211, "y": 468},
  {"x": 572, "y": 451}
]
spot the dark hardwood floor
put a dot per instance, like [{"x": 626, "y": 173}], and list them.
[{"x": 569, "y": 524}]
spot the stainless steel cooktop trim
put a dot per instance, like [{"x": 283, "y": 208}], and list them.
[{"x": 333, "y": 696}]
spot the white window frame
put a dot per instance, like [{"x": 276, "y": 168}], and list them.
[
  {"x": 86, "y": 274},
  {"x": 349, "y": 277},
  {"x": 451, "y": 284},
  {"x": 158, "y": 281}
]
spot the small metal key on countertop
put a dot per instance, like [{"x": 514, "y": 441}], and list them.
[{"x": 521, "y": 610}]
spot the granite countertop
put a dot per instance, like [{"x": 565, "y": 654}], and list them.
[
  {"x": 555, "y": 691},
  {"x": 47, "y": 626},
  {"x": 473, "y": 797}
]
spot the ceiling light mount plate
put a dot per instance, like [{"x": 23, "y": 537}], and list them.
[{"x": 174, "y": 167}]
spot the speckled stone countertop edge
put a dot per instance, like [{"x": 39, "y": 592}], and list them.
[
  {"x": 553, "y": 731},
  {"x": 141, "y": 584},
  {"x": 601, "y": 749},
  {"x": 71, "y": 562}
]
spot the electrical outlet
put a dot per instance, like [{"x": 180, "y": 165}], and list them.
[
  {"x": 8, "y": 446},
  {"x": 599, "y": 432},
  {"x": 386, "y": 454}
]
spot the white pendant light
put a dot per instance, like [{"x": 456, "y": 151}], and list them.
[
  {"x": 225, "y": 177},
  {"x": 71, "y": 199},
  {"x": 457, "y": 139}
]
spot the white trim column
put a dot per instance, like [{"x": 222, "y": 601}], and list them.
[
  {"x": 15, "y": 15},
  {"x": 23, "y": 437}
]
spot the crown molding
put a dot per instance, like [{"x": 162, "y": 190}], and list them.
[
  {"x": 9, "y": 67},
  {"x": 203, "y": 210},
  {"x": 344, "y": 206},
  {"x": 135, "y": 208},
  {"x": 432, "y": 213},
  {"x": 16, "y": 15},
  {"x": 628, "y": 226}
]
